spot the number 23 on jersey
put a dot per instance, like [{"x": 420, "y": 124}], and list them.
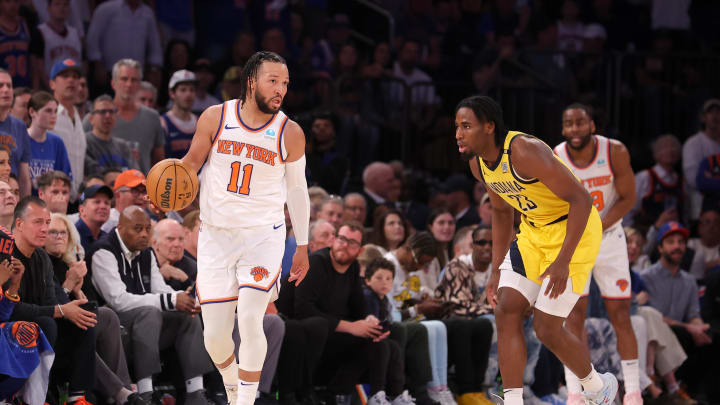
[{"x": 244, "y": 183}]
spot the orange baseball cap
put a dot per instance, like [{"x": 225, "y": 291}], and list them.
[{"x": 129, "y": 178}]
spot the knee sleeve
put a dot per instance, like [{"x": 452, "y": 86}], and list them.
[
  {"x": 253, "y": 344},
  {"x": 219, "y": 322}
]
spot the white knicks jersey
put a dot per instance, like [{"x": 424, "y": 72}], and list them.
[
  {"x": 242, "y": 183},
  {"x": 597, "y": 177}
]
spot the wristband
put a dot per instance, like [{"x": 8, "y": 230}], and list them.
[{"x": 61, "y": 311}]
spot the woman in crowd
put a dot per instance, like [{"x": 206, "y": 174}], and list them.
[
  {"x": 389, "y": 230},
  {"x": 441, "y": 225},
  {"x": 66, "y": 254}
]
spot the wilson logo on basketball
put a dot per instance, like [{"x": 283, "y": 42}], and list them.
[
  {"x": 623, "y": 284},
  {"x": 26, "y": 333},
  {"x": 165, "y": 196},
  {"x": 259, "y": 273}
]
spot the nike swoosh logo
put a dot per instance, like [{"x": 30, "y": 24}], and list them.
[
  {"x": 276, "y": 227},
  {"x": 242, "y": 383},
  {"x": 227, "y": 127}
]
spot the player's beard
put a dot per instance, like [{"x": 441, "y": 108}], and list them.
[
  {"x": 585, "y": 141},
  {"x": 263, "y": 104},
  {"x": 467, "y": 156}
]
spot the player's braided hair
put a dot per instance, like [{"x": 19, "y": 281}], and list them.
[
  {"x": 251, "y": 68},
  {"x": 486, "y": 110},
  {"x": 423, "y": 243}
]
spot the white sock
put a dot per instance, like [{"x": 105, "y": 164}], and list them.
[
  {"x": 673, "y": 388},
  {"x": 122, "y": 395},
  {"x": 513, "y": 396},
  {"x": 229, "y": 374},
  {"x": 631, "y": 375},
  {"x": 194, "y": 384},
  {"x": 246, "y": 392},
  {"x": 145, "y": 385},
  {"x": 572, "y": 382},
  {"x": 593, "y": 382}
]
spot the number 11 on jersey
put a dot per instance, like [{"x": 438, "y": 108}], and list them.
[{"x": 244, "y": 183}]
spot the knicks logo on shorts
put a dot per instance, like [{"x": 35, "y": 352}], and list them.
[
  {"x": 259, "y": 273},
  {"x": 26, "y": 333},
  {"x": 623, "y": 284}
]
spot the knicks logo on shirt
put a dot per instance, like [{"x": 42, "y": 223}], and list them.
[
  {"x": 259, "y": 273},
  {"x": 25, "y": 333},
  {"x": 623, "y": 284}
]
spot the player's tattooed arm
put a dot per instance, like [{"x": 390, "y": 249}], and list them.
[{"x": 208, "y": 126}]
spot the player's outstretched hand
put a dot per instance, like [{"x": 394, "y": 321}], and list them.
[
  {"x": 492, "y": 287},
  {"x": 300, "y": 265},
  {"x": 558, "y": 273}
]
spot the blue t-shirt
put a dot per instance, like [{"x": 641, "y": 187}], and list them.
[
  {"x": 14, "y": 135},
  {"x": 48, "y": 156}
]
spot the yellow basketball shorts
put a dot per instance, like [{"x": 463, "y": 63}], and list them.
[{"x": 537, "y": 247}]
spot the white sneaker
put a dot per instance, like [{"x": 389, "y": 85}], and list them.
[
  {"x": 575, "y": 399},
  {"x": 446, "y": 397},
  {"x": 436, "y": 395},
  {"x": 404, "y": 399},
  {"x": 607, "y": 394},
  {"x": 231, "y": 392},
  {"x": 379, "y": 399}
]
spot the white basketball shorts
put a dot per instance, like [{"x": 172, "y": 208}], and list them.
[
  {"x": 231, "y": 259},
  {"x": 612, "y": 267}
]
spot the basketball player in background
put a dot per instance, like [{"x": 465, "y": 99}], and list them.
[
  {"x": 255, "y": 163},
  {"x": 603, "y": 167},
  {"x": 549, "y": 263}
]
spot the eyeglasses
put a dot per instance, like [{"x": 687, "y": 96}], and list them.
[
  {"x": 110, "y": 111},
  {"x": 57, "y": 234},
  {"x": 350, "y": 242},
  {"x": 482, "y": 242}
]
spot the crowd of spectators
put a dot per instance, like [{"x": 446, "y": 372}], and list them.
[{"x": 93, "y": 93}]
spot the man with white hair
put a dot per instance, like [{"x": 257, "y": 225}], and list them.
[
  {"x": 380, "y": 187},
  {"x": 168, "y": 242},
  {"x": 331, "y": 210},
  {"x": 322, "y": 235}
]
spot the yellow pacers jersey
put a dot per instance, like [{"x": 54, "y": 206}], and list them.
[
  {"x": 543, "y": 228},
  {"x": 529, "y": 196}
]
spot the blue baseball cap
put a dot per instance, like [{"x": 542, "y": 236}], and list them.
[
  {"x": 63, "y": 65},
  {"x": 671, "y": 227},
  {"x": 92, "y": 191}
]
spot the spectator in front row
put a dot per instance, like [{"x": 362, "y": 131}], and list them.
[
  {"x": 19, "y": 108},
  {"x": 355, "y": 349},
  {"x": 125, "y": 272},
  {"x": 103, "y": 150},
  {"x": 674, "y": 293},
  {"x": 47, "y": 149},
  {"x": 18, "y": 141},
  {"x": 178, "y": 270},
  {"x": 73, "y": 335},
  {"x": 54, "y": 189},
  {"x": 64, "y": 76},
  {"x": 129, "y": 189},
  {"x": 112, "y": 376},
  {"x": 94, "y": 211},
  {"x": 8, "y": 201}
]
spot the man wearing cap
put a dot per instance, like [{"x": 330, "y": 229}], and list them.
[
  {"x": 179, "y": 123},
  {"x": 699, "y": 146},
  {"x": 94, "y": 211},
  {"x": 129, "y": 190},
  {"x": 674, "y": 293},
  {"x": 205, "y": 79},
  {"x": 459, "y": 188},
  {"x": 64, "y": 77},
  {"x": 103, "y": 150},
  {"x": 14, "y": 136}
]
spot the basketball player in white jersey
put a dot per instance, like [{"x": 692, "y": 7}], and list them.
[
  {"x": 253, "y": 162},
  {"x": 603, "y": 166}
]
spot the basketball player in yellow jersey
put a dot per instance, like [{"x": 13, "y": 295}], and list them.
[
  {"x": 253, "y": 163},
  {"x": 550, "y": 262}
]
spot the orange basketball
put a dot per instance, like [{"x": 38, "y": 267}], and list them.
[{"x": 171, "y": 185}]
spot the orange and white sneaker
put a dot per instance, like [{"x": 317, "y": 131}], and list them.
[
  {"x": 633, "y": 398},
  {"x": 80, "y": 401}
]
